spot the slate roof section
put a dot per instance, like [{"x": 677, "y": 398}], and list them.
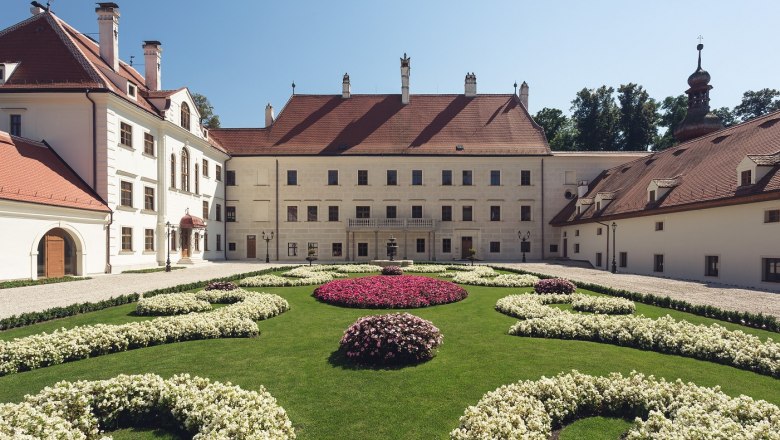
[
  {"x": 704, "y": 170},
  {"x": 382, "y": 125},
  {"x": 32, "y": 172}
]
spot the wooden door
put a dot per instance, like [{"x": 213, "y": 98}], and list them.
[
  {"x": 55, "y": 255},
  {"x": 251, "y": 246},
  {"x": 466, "y": 243},
  {"x": 565, "y": 248},
  {"x": 185, "y": 243}
]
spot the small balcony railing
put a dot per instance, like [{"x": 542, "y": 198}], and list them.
[{"x": 387, "y": 224}]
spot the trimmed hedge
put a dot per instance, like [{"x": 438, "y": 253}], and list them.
[
  {"x": 63, "y": 312},
  {"x": 755, "y": 320},
  {"x": 25, "y": 283}
]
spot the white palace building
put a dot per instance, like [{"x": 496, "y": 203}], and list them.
[{"x": 99, "y": 164}]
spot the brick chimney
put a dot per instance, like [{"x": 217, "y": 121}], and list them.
[
  {"x": 152, "y": 58},
  {"x": 405, "y": 79},
  {"x": 269, "y": 115},
  {"x": 471, "y": 85},
  {"x": 524, "y": 94},
  {"x": 108, "y": 24},
  {"x": 346, "y": 90}
]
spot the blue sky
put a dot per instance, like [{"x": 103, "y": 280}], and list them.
[{"x": 243, "y": 54}]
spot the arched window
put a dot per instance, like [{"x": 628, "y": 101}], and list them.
[
  {"x": 197, "y": 179},
  {"x": 185, "y": 115},
  {"x": 173, "y": 170},
  {"x": 185, "y": 170}
]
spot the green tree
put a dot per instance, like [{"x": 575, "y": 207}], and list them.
[
  {"x": 207, "y": 117},
  {"x": 673, "y": 111},
  {"x": 755, "y": 104},
  {"x": 551, "y": 120},
  {"x": 726, "y": 116},
  {"x": 638, "y": 118},
  {"x": 596, "y": 119}
]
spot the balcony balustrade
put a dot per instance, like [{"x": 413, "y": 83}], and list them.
[{"x": 391, "y": 224}]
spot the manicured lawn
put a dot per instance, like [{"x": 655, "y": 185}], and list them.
[
  {"x": 295, "y": 359},
  {"x": 23, "y": 283}
]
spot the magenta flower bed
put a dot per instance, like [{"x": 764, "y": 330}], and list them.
[
  {"x": 221, "y": 285},
  {"x": 398, "y": 338},
  {"x": 394, "y": 292},
  {"x": 554, "y": 285}
]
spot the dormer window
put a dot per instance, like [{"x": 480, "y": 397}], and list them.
[
  {"x": 598, "y": 206},
  {"x": 185, "y": 116},
  {"x": 746, "y": 178},
  {"x": 651, "y": 196},
  {"x": 6, "y": 70},
  {"x": 131, "y": 90},
  {"x": 2, "y": 74}
]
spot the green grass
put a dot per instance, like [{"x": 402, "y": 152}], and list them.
[
  {"x": 153, "y": 269},
  {"x": 595, "y": 428},
  {"x": 39, "y": 281},
  {"x": 294, "y": 359}
]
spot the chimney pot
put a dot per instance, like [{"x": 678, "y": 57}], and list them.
[
  {"x": 405, "y": 67},
  {"x": 152, "y": 59},
  {"x": 346, "y": 91},
  {"x": 471, "y": 85},
  {"x": 524, "y": 94},
  {"x": 582, "y": 188},
  {"x": 269, "y": 115},
  {"x": 108, "y": 24}
]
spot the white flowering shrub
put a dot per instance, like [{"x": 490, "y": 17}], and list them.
[
  {"x": 527, "y": 306},
  {"x": 357, "y": 268},
  {"x": 277, "y": 281},
  {"x": 307, "y": 272},
  {"x": 171, "y": 304},
  {"x": 425, "y": 268},
  {"x": 205, "y": 409},
  {"x": 602, "y": 304},
  {"x": 663, "y": 410},
  {"x": 503, "y": 280}
]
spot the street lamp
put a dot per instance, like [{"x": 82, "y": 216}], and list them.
[
  {"x": 169, "y": 227},
  {"x": 614, "y": 264},
  {"x": 267, "y": 238},
  {"x": 392, "y": 247},
  {"x": 523, "y": 239}
]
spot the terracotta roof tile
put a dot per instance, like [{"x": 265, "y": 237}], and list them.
[
  {"x": 380, "y": 124},
  {"x": 32, "y": 172}
]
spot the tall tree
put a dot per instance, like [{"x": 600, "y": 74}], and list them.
[
  {"x": 552, "y": 121},
  {"x": 726, "y": 116},
  {"x": 755, "y": 104},
  {"x": 207, "y": 117},
  {"x": 673, "y": 111},
  {"x": 596, "y": 119},
  {"x": 566, "y": 138},
  {"x": 638, "y": 118}
]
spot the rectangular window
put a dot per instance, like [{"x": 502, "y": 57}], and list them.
[
  {"x": 218, "y": 211},
  {"x": 333, "y": 213},
  {"x": 205, "y": 210},
  {"x": 126, "y": 198},
  {"x": 467, "y": 214},
  {"x": 127, "y": 239},
  {"x": 576, "y": 232},
  {"x": 598, "y": 259},
  {"x": 205, "y": 168},
  {"x": 218, "y": 173},
  {"x": 230, "y": 213},
  {"x": 335, "y": 249},
  {"x": 495, "y": 247},
  {"x": 292, "y": 177},
  {"x": 333, "y": 177},
  {"x": 149, "y": 240},
  {"x": 599, "y": 231},
  {"x": 651, "y": 196},
  {"x": 569, "y": 177},
  {"x": 362, "y": 249},
  {"x": 392, "y": 177},
  {"x": 197, "y": 179},
  {"x": 495, "y": 213},
  {"x": 149, "y": 145},
  {"x": 173, "y": 240},
  {"x": 553, "y": 248},
  {"x": 363, "y": 211},
  {"x": 576, "y": 248},
  {"x": 16, "y": 125},
  {"x": 313, "y": 246},
  {"x": 149, "y": 198},
  {"x": 391, "y": 212},
  {"x": 230, "y": 178},
  {"x": 711, "y": 265},
  {"x": 525, "y": 214},
  {"x": 311, "y": 213},
  {"x": 446, "y": 177},
  {"x": 292, "y": 249},
  {"x": 292, "y": 213},
  {"x": 467, "y": 178},
  {"x": 232, "y": 246},
  {"x": 746, "y": 178},
  {"x": 772, "y": 216},
  {"x": 623, "y": 259},
  {"x": 525, "y": 177},
  {"x": 525, "y": 246},
  {"x": 219, "y": 242},
  {"x": 598, "y": 206},
  {"x": 362, "y": 177},
  {"x": 206, "y": 241},
  {"x": 417, "y": 211},
  {"x": 659, "y": 226},
  {"x": 771, "y": 270},
  {"x": 446, "y": 213},
  {"x": 126, "y": 134},
  {"x": 196, "y": 242},
  {"x": 417, "y": 177},
  {"x": 495, "y": 177},
  {"x": 420, "y": 245},
  {"x": 658, "y": 263},
  {"x": 446, "y": 245}
]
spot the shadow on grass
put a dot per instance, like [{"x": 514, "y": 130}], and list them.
[{"x": 338, "y": 359}]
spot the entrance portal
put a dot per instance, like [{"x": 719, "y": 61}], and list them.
[
  {"x": 466, "y": 243},
  {"x": 56, "y": 254},
  {"x": 185, "y": 242}
]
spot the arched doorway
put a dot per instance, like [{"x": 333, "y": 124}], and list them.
[{"x": 56, "y": 254}]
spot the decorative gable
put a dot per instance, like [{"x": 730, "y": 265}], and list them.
[{"x": 6, "y": 70}]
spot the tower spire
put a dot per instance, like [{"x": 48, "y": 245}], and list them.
[{"x": 699, "y": 120}]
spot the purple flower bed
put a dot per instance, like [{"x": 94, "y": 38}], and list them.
[
  {"x": 398, "y": 338},
  {"x": 396, "y": 292},
  {"x": 392, "y": 270},
  {"x": 554, "y": 285},
  {"x": 221, "y": 285}
]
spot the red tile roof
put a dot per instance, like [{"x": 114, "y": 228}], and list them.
[
  {"x": 699, "y": 173},
  {"x": 32, "y": 172},
  {"x": 381, "y": 124}
]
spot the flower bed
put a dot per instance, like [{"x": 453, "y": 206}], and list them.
[
  {"x": 173, "y": 304},
  {"x": 398, "y": 338},
  {"x": 554, "y": 285},
  {"x": 601, "y": 304},
  {"x": 532, "y": 409},
  {"x": 277, "y": 281},
  {"x": 503, "y": 280},
  {"x": 392, "y": 270},
  {"x": 405, "y": 291},
  {"x": 221, "y": 285},
  {"x": 205, "y": 409},
  {"x": 527, "y": 306},
  {"x": 426, "y": 268}
]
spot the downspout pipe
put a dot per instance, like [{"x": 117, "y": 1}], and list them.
[
  {"x": 108, "y": 242},
  {"x": 276, "y": 226},
  {"x": 606, "y": 262},
  {"x": 541, "y": 198},
  {"x": 224, "y": 219},
  {"x": 94, "y": 140}
]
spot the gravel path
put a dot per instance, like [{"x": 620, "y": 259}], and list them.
[
  {"x": 37, "y": 298},
  {"x": 718, "y": 295}
]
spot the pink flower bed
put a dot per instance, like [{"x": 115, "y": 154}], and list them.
[
  {"x": 395, "y": 292},
  {"x": 398, "y": 338},
  {"x": 555, "y": 285}
]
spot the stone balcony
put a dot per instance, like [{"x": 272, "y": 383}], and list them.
[{"x": 391, "y": 224}]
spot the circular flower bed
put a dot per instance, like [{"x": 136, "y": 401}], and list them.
[
  {"x": 398, "y": 338},
  {"x": 554, "y": 285},
  {"x": 392, "y": 270},
  {"x": 405, "y": 291}
]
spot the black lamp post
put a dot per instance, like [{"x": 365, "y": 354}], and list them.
[
  {"x": 169, "y": 227},
  {"x": 523, "y": 239},
  {"x": 267, "y": 238},
  {"x": 614, "y": 264}
]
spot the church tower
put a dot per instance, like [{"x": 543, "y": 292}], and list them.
[{"x": 699, "y": 120}]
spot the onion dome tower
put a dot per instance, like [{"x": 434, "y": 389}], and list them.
[{"x": 699, "y": 120}]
